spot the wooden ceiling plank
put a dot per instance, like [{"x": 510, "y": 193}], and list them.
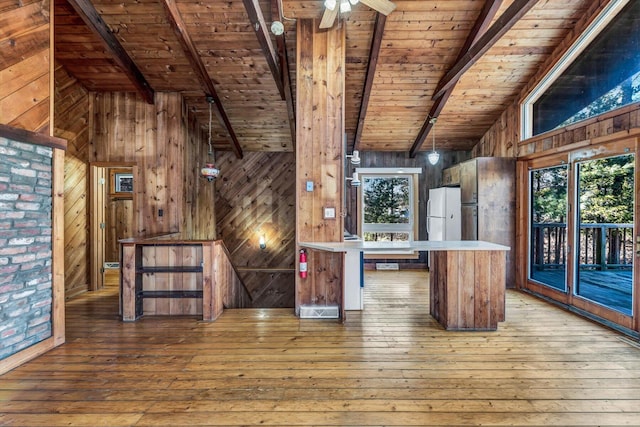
[
  {"x": 503, "y": 24},
  {"x": 191, "y": 53},
  {"x": 257, "y": 20},
  {"x": 94, "y": 21},
  {"x": 487, "y": 14},
  {"x": 376, "y": 42},
  {"x": 284, "y": 68}
]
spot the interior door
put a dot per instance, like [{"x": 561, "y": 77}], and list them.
[{"x": 97, "y": 224}]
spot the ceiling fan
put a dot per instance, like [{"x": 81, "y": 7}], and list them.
[{"x": 332, "y": 7}]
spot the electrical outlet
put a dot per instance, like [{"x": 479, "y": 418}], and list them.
[
  {"x": 160, "y": 212},
  {"x": 329, "y": 213}
]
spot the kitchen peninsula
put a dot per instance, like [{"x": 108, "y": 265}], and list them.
[{"x": 467, "y": 278}]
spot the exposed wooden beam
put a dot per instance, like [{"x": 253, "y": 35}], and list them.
[
  {"x": 93, "y": 20},
  {"x": 281, "y": 44},
  {"x": 260, "y": 27},
  {"x": 376, "y": 42},
  {"x": 487, "y": 14},
  {"x": 175, "y": 19},
  {"x": 503, "y": 24}
]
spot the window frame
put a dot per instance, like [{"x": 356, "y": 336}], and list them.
[
  {"x": 610, "y": 11},
  {"x": 412, "y": 228}
]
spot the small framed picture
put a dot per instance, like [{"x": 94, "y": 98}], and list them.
[{"x": 121, "y": 182}]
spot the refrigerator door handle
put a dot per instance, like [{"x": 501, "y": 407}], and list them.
[{"x": 428, "y": 225}]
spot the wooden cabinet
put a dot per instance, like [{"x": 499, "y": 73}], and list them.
[
  {"x": 487, "y": 191},
  {"x": 467, "y": 289},
  {"x": 451, "y": 176}
]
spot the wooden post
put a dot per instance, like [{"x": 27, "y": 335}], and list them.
[{"x": 320, "y": 158}]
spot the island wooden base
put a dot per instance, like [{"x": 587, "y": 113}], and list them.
[{"x": 467, "y": 289}]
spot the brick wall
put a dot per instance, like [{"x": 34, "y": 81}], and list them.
[{"x": 25, "y": 245}]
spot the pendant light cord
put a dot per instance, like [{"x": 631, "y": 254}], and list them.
[{"x": 210, "y": 148}]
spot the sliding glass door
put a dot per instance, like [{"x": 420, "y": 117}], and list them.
[
  {"x": 604, "y": 231},
  {"x": 581, "y": 230},
  {"x": 548, "y": 263}
]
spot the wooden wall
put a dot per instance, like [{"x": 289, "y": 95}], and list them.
[
  {"x": 320, "y": 157},
  {"x": 431, "y": 177},
  {"x": 71, "y": 122},
  {"x": 256, "y": 196},
  {"x": 25, "y": 64},
  {"x": 199, "y": 204},
  {"x": 169, "y": 149}
]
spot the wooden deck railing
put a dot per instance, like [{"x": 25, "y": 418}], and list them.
[{"x": 602, "y": 246}]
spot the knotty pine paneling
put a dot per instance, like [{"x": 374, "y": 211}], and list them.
[
  {"x": 319, "y": 157},
  {"x": 25, "y": 65},
  {"x": 198, "y": 199},
  {"x": 169, "y": 148},
  {"x": 254, "y": 196},
  {"x": 71, "y": 122},
  {"x": 126, "y": 129}
]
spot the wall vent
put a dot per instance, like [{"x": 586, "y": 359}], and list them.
[
  {"x": 111, "y": 265},
  {"x": 387, "y": 266},
  {"x": 319, "y": 312}
]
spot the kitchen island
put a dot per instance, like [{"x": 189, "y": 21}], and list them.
[{"x": 467, "y": 278}]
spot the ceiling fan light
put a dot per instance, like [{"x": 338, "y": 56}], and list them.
[
  {"x": 330, "y": 4},
  {"x": 354, "y": 2},
  {"x": 345, "y": 6},
  {"x": 433, "y": 157}
]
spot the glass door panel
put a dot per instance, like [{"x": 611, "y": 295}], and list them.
[
  {"x": 548, "y": 219},
  {"x": 604, "y": 229}
]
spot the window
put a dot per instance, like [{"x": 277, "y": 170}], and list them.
[
  {"x": 600, "y": 73},
  {"x": 388, "y": 204}
]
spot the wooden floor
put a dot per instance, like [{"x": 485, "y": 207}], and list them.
[{"x": 390, "y": 365}]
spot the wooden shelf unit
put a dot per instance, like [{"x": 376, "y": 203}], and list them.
[{"x": 168, "y": 278}]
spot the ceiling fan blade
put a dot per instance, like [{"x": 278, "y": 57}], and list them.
[
  {"x": 328, "y": 17},
  {"x": 385, "y": 7}
]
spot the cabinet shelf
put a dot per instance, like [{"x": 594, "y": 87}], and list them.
[
  {"x": 170, "y": 269},
  {"x": 169, "y": 294}
]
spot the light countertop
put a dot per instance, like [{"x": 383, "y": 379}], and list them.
[{"x": 420, "y": 245}]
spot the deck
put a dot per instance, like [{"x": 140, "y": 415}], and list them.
[
  {"x": 389, "y": 365},
  {"x": 612, "y": 288}
]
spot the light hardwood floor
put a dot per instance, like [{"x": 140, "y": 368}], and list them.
[{"x": 389, "y": 365}]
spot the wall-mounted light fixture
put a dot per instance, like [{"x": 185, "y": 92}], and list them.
[
  {"x": 262, "y": 242},
  {"x": 354, "y": 158},
  {"x": 355, "y": 181}
]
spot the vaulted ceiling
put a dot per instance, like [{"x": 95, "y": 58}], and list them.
[{"x": 475, "y": 54}]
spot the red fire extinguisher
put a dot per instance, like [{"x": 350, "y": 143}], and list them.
[{"x": 303, "y": 264}]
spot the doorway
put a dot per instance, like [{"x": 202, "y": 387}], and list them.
[
  {"x": 582, "y": 213},
  {"x": 111, "y": 218}
]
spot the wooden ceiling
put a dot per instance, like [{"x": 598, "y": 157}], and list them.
[{"x": 198, "y": 47}]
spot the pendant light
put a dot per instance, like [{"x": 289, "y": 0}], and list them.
[
  {"x": 209, "y": 171},
  {"x": 433, "y": 156}
]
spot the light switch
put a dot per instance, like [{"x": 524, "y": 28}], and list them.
[
  {"x": 329, "y": 213},
  {"x": 309, "y": 185}
]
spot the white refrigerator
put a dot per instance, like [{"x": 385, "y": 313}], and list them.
[{"x": 444, "y": 213}]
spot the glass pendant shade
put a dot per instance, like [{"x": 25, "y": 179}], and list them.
[
  {"x": 330, "y": 4},
  {"x": 433, "y": 157}
]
